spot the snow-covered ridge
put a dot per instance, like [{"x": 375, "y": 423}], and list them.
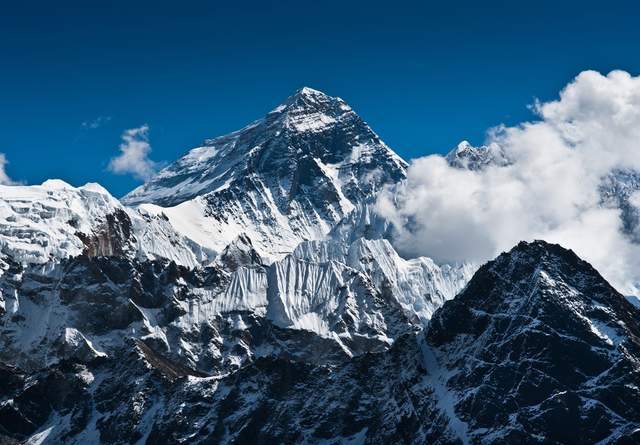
[
  {"x": 54, "y": 220},
  {"x": 339, "y": 289},
  {"x": 42, "y": 223},
  {"x": 419, "y": 285},
  {"x": 358, "y": 297}
]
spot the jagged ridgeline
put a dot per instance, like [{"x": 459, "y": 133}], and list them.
[{"x": 249, "y": 293}]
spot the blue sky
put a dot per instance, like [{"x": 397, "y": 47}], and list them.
[{"x": 424, "y": 76}]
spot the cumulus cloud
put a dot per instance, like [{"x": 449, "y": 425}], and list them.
[
  {"x": 550, "y": 190},
  {"x": 134, "y": 154},
  {"x": 4, "y": 177}
]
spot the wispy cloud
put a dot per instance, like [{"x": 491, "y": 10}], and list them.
[
  {"x": 96, "y": 123},
  {"x": 4, "y": 177},
  {"x": 134, "y": 154}
]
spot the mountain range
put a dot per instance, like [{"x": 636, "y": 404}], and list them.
[{"x": 249, "y": 292}]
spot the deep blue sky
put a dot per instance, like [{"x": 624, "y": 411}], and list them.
[{"x": 424, "y": 76}]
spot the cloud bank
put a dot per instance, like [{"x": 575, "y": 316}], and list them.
[
  {"x": 134, "y": 154},
  {"x": 551, "y": 189}
]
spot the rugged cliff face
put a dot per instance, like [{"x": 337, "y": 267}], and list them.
[
  {"x": 538, "y": 348},
  {"x": 46, "y": 223},
  {"x": 250, "y": 293}
]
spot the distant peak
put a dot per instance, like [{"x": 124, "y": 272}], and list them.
[
  {"x": 468, "y": 157},
  {"x": 95, "y": 187}
]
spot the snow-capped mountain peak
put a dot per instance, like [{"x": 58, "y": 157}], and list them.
[
  {"x": 309, "y": 110},
  {"x": 467, "y": 156},
  {"x": 311, "y": 97},
  {"x": 271, "y": 145},
  {"x": 290, "y": 176}
]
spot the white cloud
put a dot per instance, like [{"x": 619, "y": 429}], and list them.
[
  {"x": 134, "y": 156},
  {"x": 550, "y": 191},
  {"x": 4, "y": 177},
  {"x": 96, "y": 123}
]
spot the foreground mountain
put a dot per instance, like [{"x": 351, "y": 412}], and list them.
[
  {"x": 288, "y": 177},
  {"x": 538, "y": 348}
]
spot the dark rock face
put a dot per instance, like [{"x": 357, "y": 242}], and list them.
[
  {"x": 112, "y": 299},
  {"x": 538, "y": 348},
  {"x": 239, "y": 253},
  {"x": 113, "y": 238},
  {"x": 540, "y": 345}
]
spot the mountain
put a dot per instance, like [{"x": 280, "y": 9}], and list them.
[
  {"x": 468, "y": 157},
  {"x": 82, "y": 270},
  {"x": 538, "y": 348},
  {"x": 311, "y": 263},
  {"x": 356, "y": 298},
  {"x": 250, "y": 293},
  {"x": 288, "y": 177}
]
